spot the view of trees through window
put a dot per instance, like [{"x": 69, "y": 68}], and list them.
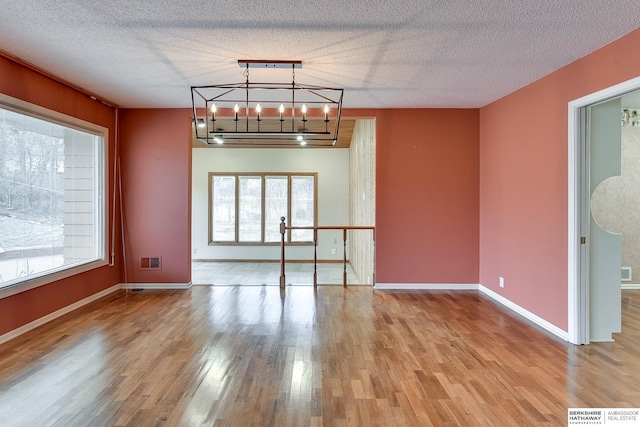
[
  {"x": 246, "y": 209},
  {"x": 47, "y": 196}
]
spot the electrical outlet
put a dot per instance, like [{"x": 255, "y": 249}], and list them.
[
  {"x": 501, "y": 282},
  {"x": 334, "y": 251},
  {"x": 335, "y": 241}
]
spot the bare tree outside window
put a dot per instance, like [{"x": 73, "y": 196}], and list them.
[{"x": 47, "y": 196}]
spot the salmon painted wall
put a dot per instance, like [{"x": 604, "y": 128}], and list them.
[
  {"x": 427, "y": 194},
  {"x": 523, "y": 180},
  {"x": 427, "y": 218},
  {"x": 23, "y": 83},
  {"x": 156, "y": 181}
]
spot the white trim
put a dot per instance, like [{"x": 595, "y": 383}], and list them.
[
  {"x": 58, "y": 313},
  {"x": 577, "y": 321},
  {"x": 484, "y": 290},
  {"x": 427, "y": 286},
  {"x": 524, "y": 313},
  {"x": 156, "y": 285},
  {"x": 611, "y": 340},
  {"x": 573, "y": 262},
  {"x": 65, "y": 310},
  {"x": 631, "y": 286}
]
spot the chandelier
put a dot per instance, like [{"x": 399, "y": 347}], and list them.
[{"x": 272, "y": 114}]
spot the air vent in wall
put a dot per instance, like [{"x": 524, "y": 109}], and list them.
[
  {"x": 151, "y": 263},
  {"x": 626, "y": 274}
]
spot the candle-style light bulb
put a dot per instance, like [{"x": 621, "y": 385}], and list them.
[
  {"x": 281, "y": 110},
  {"x": 258, "y": 110},
  {"x": 235, "y": 110},
  {"x": 213, "y": 112},
  {"x": 304, "y": 109},
  {"x": 326, "y": 113}
]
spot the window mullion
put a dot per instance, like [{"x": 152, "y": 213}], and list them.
[
  {"x": 262, "y": 213},
  {"x": 237, "y": 227},
  {"x": 289, "y": 211}
]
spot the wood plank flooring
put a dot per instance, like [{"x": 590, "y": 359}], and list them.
[{"x": 253, "y": 356}]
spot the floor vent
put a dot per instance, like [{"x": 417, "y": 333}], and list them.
[
  {"x": 626, "y": 274},
  {"x": 150, "y": 263}
]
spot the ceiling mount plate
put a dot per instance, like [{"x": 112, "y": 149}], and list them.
[{"x": 268, "y": 63}]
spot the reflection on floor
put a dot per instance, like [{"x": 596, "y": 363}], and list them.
[{"x": 268, "y": 273}]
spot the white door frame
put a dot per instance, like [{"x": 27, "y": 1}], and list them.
[{"x": 578, "y": 310}]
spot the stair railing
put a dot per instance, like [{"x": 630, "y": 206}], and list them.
[{"x": 344, "y": 228}]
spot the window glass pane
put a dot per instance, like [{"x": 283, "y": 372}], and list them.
[
  {"x": 275, "y": 195},
  {"x": 302, "y": 212},
  {"x": 51, "y": 179},
  {"x": 224, "y": 209},
  {"x": 250, "y": 209}
]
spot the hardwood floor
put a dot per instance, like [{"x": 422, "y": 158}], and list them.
[{"x": 251, "y": 356}]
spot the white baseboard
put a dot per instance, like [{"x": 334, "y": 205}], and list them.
[
  {"x": 486, "y": 291},
  {"x": 58, "y": 313},
  {"x": 379, "y": 286},
  {"x": 51, "y": 316},
  {"x": 427, "y": 286},
  {"x": 156, "y": 285},
  {"x": 525, "y": 313}
]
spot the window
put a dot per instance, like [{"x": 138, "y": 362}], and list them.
[
  {"x": 51, "y": 195},
  {"x": 246, "y": 208}
]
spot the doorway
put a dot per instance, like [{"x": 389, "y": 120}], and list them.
[
  {"x": 594, "y": 253},
  {"x": 344, "y": 195}
]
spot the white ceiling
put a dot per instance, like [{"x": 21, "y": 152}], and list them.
[{"x": 398, "y": 53}]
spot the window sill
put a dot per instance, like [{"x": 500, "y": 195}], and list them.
[
  {"x": 260, "y": 244},
  {"x": 16, "y": 288}
]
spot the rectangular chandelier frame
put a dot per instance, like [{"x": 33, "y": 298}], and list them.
[{"x": 274, "y": 114}]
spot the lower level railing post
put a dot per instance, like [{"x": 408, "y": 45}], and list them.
[
  {"x": 344, "y": 250},
  {"x": 282, "y": 231},
  {"x": 315, "y": 258}
]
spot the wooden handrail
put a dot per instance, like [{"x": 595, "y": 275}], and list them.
[{"x": 344, "y": 228}]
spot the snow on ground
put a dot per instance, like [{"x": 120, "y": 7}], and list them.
[{"x": 20, "y": 231}]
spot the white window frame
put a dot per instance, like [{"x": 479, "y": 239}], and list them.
[{"x": 102, "y": 178}]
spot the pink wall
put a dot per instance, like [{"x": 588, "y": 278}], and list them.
[
  {"x": 156, "y": 180},
  {"x": 427, "y": 196},
  {"x": 523, "y": 179},
  {"x": 427, "y": 219},
  {"x": 23, "y": 83}
]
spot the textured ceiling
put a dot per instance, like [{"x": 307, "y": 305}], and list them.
[{"x": 428, "y": 53}]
